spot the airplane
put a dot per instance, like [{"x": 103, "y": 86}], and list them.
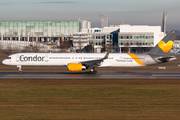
[{"x": 82, "y": 61}]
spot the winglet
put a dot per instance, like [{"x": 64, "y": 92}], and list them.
[{"x": 106, "y": 56}]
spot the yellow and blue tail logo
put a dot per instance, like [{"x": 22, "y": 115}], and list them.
[{"x": 165, "y": 47}]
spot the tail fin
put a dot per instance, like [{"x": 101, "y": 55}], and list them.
[{"x": 165, "y": 45}]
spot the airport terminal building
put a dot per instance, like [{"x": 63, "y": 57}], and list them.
[
  {"x": 122, "y": 38},
  {"x": 37, "y": 30}
]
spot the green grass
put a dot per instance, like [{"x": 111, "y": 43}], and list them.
[{"x": 89, "y": 99}]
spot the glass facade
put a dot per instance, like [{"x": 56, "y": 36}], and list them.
[
  {"x": 38, "y": 28},
  {"x": 136, "y": 39}
]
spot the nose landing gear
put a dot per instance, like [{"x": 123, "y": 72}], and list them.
[{"x": 20, "y": 70}]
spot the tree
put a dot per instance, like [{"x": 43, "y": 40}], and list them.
[
  {"x": 1, "y": 48},
  {"x": 5, "y": 35},
  {"x": 52, "y": 38},
  {"x": 21, "y": 35},
  {"x": 16, "y": 35},
  {"x": 90, "y": 47},
  {"x": 126, "y": 48},
  {"x": 64, "y": 45},
  {"x": 36, "y": 48},
  {"x": 80, "y": 46},
  {"x": 140, "y": 48},
  {"x": 149, "y": 48}
]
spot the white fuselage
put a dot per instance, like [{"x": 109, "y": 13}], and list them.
[{"x": 58, "y": 59}]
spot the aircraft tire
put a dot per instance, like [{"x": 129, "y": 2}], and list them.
[
  {"x": 95, "y": 71},
  {"x": 20, "y": 72},
  {"x": 90, "y": 72}
]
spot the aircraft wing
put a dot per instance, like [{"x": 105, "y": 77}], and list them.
[{"x": 95, "y": 62}]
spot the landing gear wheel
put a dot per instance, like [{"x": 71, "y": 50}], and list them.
[
  {"x": 20, "y": 70},
  {"x": 93, "y": 72},
  {"x": 90, "y": 72}
]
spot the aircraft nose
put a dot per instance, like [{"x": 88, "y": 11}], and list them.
[{"x": 4, "y": 62}]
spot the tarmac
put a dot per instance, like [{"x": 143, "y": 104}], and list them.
[{"x": 86, "y": 75}]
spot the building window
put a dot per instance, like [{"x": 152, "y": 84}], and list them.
[{"x": 97, "y": 30}]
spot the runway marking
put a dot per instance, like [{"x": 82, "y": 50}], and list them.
[{"x": 165, "y": 75}]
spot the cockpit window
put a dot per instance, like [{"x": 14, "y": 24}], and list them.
[{"x": 8, "y": 58}]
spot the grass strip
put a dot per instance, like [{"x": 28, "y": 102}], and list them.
[{"x": 89, "y": 99}]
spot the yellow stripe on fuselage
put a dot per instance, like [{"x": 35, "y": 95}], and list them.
[{"x": 135, "y": 58}]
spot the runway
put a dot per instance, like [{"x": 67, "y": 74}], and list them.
[
  {"x": 86, "y": 75},
  {"x": 52, "y": 67}
]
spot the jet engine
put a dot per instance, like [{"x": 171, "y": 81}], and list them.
[{"x": 76, "y": 67}]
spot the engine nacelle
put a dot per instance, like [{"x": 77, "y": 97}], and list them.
[{"x": 76, "y": 67}]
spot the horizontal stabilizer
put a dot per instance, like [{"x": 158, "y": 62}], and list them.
[{"x": 166, "y": 59}]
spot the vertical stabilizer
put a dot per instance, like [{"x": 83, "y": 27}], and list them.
[{"x": 165, "y": 45}]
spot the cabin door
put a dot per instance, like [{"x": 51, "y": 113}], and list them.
[
  {"x": 17, "y": 58},
  {"x": 46, "y": 58}
]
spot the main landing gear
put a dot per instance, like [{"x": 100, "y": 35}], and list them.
[
  {"x": 92, "y": 71},
  {"x": 20, "y": 70}
]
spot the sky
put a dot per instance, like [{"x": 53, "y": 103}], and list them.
[{"x": 133, "y": 12}]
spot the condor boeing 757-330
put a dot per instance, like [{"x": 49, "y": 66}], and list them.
[{"x": 83, "y": 61}]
